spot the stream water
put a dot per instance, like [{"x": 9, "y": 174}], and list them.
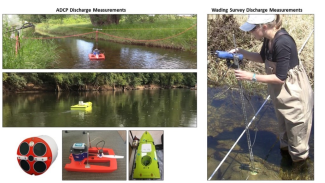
[
  {"x": 74, "y": 55},
  {"x": 225, "y": 124},
  {"x": 136, "y": 108}
]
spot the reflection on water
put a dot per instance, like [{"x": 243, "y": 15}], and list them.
[
  {"x": 80, "y": 113},
  {"x": 138, "y": 108},
  {"x": 74, "y": 55},
  {"x": 225, "y": 124}
]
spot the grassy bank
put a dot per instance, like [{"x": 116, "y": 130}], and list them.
[
  {"x": 167, "y": 32},
  {"x": 221, "y": 38},
  {"x": 32, "y": 54}
]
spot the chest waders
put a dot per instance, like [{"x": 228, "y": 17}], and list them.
[{"x": 293, "y": 103}]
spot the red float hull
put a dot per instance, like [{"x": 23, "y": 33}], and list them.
[
  {"x": 96, "y": 57},
  {"x": 80, "y": 166}
]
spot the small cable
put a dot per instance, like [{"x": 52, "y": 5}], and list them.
[{"x": 100, "y": 142}]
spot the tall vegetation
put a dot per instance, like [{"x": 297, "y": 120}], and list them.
[
  {"x": 25, "y": 53},
  {"x": 220, "y": 37},
  {"x": 73, "y": 81}
]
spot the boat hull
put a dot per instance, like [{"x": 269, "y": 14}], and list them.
[
  {"x": 146, "y": 163},
  {"x": 86, "y": 105},
  {"x": 96, "y": 57},
  {"x": 80, "y": 166}
]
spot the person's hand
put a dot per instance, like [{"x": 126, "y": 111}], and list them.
[
  {"x": 236, "y": 50},
  {"x": 243, "y": 75}
]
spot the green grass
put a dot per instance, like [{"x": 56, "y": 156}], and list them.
[
  {"x": 33, "y": 54},
  {"x": 135, "y": 33}
]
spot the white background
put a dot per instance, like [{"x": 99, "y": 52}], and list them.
[{"x": 185, "y": 149}]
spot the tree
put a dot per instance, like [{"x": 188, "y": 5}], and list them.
[
  {"x": 16, "y": 81},
  {"x": 101, "y": 19},
  {"x": 190, "y": 79},
  {"x": 136, "y": 79},
  {"x": 38, "y": 18},
  {"x": 121, "y": 80},
  {"x": 4, "y": 76}
]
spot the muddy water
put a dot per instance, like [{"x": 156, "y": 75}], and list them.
[
  {"x": 137, "y": 108},
  {"x": 225, "y": 124},
  {"x": 74, "y": 55}
]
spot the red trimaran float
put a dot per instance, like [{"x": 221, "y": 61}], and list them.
[
  {"x": 96, "y": 54},
  {"x": 81, "y": 156}
]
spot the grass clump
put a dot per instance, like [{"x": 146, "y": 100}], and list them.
[{"x": 32, "y": 53}]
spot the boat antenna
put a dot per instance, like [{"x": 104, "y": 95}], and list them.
[
  {"x": 97, "y": 36},
  {"x": 88, "y": 144}
]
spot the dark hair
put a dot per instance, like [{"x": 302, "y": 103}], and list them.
[{"x": 277, "y": 23}]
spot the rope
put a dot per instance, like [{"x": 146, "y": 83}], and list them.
[
  {"x": 116, "y": 29},
  {"x": 130, "y": 39},
  {"x": 145, "y": 29},
  {"x": 61, "y": 36},
  {"x": 126, "y": 29}
]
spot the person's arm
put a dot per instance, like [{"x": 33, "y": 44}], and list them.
[
  {"x": 271, "y": 78},
  {"x": 253, "y": 56}
]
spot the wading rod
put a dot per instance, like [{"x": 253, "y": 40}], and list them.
[
  {"x": 249, "y": 143},
  {"x": 302, "y": 47},
  {"x": 239, "y": 138}
]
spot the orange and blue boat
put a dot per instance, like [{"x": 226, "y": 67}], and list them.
[
  {"x": 96, "y": 55},
  {"x": 82, "y": 156}
]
